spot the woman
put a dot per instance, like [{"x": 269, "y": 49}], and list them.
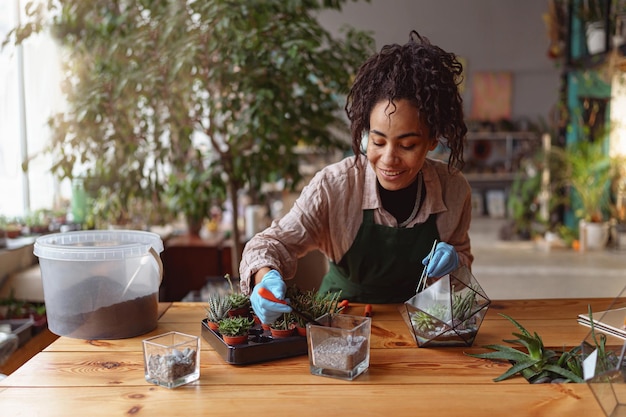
[{"x": 376, "y": 215}]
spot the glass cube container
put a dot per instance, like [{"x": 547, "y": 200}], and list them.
[
  {"x": 449, "y": 312},
  {"x": 172, "y": 359},
  {"x": 340, "y": 346}
]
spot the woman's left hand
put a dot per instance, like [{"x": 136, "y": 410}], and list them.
[{"x": 443, "y": 261}]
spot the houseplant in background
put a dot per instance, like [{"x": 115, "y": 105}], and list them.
[
  {"x": 593, "y": 15},
  {"x": 193, "y": 191},
  {"x": 147, "y": 81},
  {"x": 588, "y": 171}
]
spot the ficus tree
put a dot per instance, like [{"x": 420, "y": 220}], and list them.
[{"x": 149, "y": 83}]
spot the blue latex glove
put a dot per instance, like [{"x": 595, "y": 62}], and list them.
[
  {"x": 444, "y": 261},
  {"x": 269, "y": 311}
]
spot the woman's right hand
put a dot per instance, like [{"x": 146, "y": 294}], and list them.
[{"x": 269, "y": 311}]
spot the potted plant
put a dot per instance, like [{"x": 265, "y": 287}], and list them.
[
  {"x": 239, "y": 303},
  {"x": 588, "y": 170},
  {"x": 269, "y": 79},
  {"x": 313, "y": 304},
  {"x": 217, "y": 308},
  {"x": 234, "y": 330},
  {"x": 618, "y": 206},
  {"x": 593, "y": 15},
  {"x": 284, "y": 326},
  {"x": 193, "y": 191}
]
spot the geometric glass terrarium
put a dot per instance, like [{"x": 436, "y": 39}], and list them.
[
  {"x": 602, "y": 351},
  {"x": 449, "y": 312}
]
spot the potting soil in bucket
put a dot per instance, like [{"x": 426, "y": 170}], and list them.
[{"x": 101, "y": 284}]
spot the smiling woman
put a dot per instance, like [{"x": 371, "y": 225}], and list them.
[{"x": 30, "y": 91}]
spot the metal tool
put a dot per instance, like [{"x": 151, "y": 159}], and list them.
[{"x": 421, "y": 284}]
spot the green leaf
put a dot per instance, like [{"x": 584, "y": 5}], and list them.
[{"x": 514, "y": 370}]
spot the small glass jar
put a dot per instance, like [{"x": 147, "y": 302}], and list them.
[{"x": 172, "y": 359}]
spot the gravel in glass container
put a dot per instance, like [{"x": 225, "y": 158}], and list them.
[{"x": 172, "y": 359}]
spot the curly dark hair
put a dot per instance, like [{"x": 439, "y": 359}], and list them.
[{"x": 417, "y": 71}]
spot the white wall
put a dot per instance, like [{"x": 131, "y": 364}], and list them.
[{"x": 492, "y": 35}]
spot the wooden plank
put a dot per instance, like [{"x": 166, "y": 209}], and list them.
[
  {"x": 407, "y": 366},
  {"x": 35, "y": 345},
  {"x": 330, "y": 398}
]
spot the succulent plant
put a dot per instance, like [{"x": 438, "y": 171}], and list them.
[
  {"x": 284, "y": 322},
  {"x": 217, "y": 307},
  {"x": 235, "y": 326},
  {"x": 237, "y": 299},
  {"x": 312, "y": 303},
  {"x": 534, "y": 362}
]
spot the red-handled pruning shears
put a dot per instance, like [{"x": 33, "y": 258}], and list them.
[{"x": 268, "y": 295}]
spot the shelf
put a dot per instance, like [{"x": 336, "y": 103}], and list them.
[{"x": 522, "y": 136}]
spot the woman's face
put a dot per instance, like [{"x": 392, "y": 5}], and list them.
[{"x": 398, "y": 143}]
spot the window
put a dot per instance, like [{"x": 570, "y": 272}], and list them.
[{"x": 29, "y": 94}]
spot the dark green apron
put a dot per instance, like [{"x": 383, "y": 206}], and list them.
[{"x": 384, "y": 263}]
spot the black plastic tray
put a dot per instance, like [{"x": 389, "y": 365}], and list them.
[{"x": 261, "y": 346}]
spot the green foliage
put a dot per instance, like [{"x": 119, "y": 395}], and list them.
[
  {"x": 462, "y": 304},
  {"x": 588, "y": 171},
  {"x": 312, "y": 303},
  {"x": 235, "y": 326},
  {"x": 217, "y": 307},
  {"x": 284, "y": 322},
  {"x": 195, "y": 190},
  {"x": 534, "y": 362},
  {"x": 235, "y": 298},
  {"x": 147, "y": 81}
]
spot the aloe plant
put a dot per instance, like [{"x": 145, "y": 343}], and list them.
[
  {"x": 235, "y": 326},
  {"x": 217, "y": 307},
  {"x": 536, "y": 363}
]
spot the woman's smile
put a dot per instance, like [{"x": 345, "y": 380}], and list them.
[{"x": 397, "y": 143}]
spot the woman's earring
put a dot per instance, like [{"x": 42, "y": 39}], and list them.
[{"x": 364, "y": 138}]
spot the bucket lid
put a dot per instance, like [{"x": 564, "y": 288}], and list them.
[{"x": 97, "y": 245}]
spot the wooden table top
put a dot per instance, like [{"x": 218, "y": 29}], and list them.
[{"x": 106, "y": 377}]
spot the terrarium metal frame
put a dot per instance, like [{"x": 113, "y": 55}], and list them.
[
  {"x": 448, "y": 312},
  {"x": 603, "y": 351}
]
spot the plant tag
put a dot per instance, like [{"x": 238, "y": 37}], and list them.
[{"x": 589, "y": 365}]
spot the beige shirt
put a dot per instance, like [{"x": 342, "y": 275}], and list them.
[{"x": 328, "y": 214}]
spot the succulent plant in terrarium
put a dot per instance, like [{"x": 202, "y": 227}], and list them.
[
  {"x": 448, "y": 312},
  {"x": 462, "y": 304}
]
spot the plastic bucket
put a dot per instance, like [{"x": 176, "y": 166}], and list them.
[{"x": 101, "y": 284}]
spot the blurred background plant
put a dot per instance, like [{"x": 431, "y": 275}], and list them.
[{"x": 147, "y": 81}]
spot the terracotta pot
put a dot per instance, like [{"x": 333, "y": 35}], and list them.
[
  {"x": 281, "y": 333},
  {"x": 239, "y": 312},
  {"x": 213, "y": 326},
  {"x": 235, "y": 340},
  {"x": 301, "y": 331}
]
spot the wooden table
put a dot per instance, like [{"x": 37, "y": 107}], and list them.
[{"x": 106, "y": 378}]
